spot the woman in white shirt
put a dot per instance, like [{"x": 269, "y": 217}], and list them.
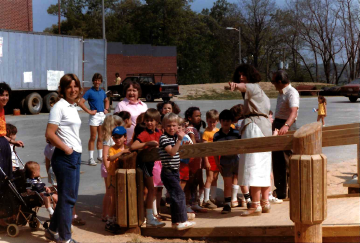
[{"x": 63, "y": 132}]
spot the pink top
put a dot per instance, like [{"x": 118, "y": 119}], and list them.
[{"x": 135, "y": 109}]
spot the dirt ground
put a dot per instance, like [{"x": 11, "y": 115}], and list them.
[
  {"x": 94, "y": 231},
  {"x": 193, "y": 89}
]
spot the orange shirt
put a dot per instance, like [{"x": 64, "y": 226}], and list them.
[
  {"x": 2, "y": 123},
  {"x": 114, "y": 165},
  {"x": 208, "y": 136}
]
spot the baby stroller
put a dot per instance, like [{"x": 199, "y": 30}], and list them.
[{"x": 16, "y": 201}]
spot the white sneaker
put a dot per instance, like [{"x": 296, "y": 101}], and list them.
[
  {"x": 92, "y": 162},
  {"x": 154, "y": 223},
  {"x": 184, "y": 226},
  {"x": 275, "y": 200}
]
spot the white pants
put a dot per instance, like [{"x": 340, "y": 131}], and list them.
[
  {"x": 254, "y": 168},
  {"x": 97, "y": 119}
]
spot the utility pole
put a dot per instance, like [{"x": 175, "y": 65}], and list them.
[
  {"x": 59, "y": 17},
  {"x": 103, "y": 19}
]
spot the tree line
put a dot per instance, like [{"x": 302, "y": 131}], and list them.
[{"x": 317, "y": 40}]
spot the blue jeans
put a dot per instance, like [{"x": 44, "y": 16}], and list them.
[
  {"x": 67, "y": 172},
  {"x": 171, "y": 180}
]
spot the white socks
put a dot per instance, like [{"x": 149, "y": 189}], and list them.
[
  {"x": 100, "y": 153},
  {"x": 206, "y": 194},
  {"x": 235, "y": 189},
  {"x": 50, "y": 210},
  {"x": 201, "y": 198},
  {"x": 154, "y": 207},
  {"x": 91, "y": 153},
  {"x": 213, "y": 192}
]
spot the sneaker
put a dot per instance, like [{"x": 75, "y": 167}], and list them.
[
  {"x": 234, "y": 204},
  {"x": 92, "y": 162},
  {"x": 154, "y": 223},
  {"x": 191, "y": 216},
  {"x": 99, "y": 160},
  {"x": 72, "y": 241},
  {"x": 226, "y": 209},
  {"x": 184, "y": 226},
  {"x": 51, "y": 236},
  {"x": 275, "y": 200},
  {"x": 209, "y": 204},
  {"x": 112, "y": 228},
  {"x": 188, "y": 209},
  {"x": 199, "y": 209}
]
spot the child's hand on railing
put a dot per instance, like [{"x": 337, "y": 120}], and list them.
[{"x": 152, "y": 144}]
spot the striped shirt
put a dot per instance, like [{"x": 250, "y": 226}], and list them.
[{"x": 168, "y": 161}]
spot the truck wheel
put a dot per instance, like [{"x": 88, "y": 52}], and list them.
[
  {"x": 49, "y": 101},
  {"x": 166, "y": 99},
  {"x": 33, "y": 103},
  {"x": 149, "y": 97},
  {"x": 353, "y": 98}
]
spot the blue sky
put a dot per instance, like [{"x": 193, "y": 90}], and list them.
[{"x": 43, "y": 20}]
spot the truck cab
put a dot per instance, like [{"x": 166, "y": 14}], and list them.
[{"x": 150, "y": 88}]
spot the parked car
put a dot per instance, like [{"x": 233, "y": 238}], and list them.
[
  {"x": 330, "y": 91},
  {"x": 150, "y": 89},
  {"x": 351, "y": 90}
]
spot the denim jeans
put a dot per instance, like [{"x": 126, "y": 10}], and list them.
[
  {"x": 67, "y": 172},
  {"x": 171, "y": 180}
]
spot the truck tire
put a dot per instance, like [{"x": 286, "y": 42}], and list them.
[
  {"x": 353, "y": 98},
  {"x": 166, "y": 99},
  {"x": 149, "y": 97},
  {"x": 49, "y": 101},
  {"x": 33, "y": 103}
]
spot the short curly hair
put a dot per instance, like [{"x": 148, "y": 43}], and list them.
[{"x": 252, "y": 75}]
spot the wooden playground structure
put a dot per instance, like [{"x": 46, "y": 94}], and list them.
[{"x": 308, "y": 216}]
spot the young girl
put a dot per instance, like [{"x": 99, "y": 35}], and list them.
[
  {"x": 193, "y": 116},
  {"x": 109, "y": 124},
  {"x": 111, "y": 164},
  {"x": 321, "y": 109},
  {"x": 167, "y": 107}
]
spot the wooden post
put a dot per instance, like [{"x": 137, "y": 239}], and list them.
[
  {"x": 140, "y": 195},
  {"x": 121, "y": 198},
  {"x": 132, "y": 198},
  {"x": 308, "y": 193}
]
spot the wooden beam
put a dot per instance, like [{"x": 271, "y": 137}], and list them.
[
  {"x": 121, "y": 198},
  {"x": 140, "y": 195},
  {"x": 132, "y": 198},
  {"x": 335, "y": 137}
]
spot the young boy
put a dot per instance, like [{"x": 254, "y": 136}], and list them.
[
  {"x": 11, "y": 132},
  {"x": 168, "y": 150},
  {"x": 34, "y": 183},
  {"x": 149, "y": 138},
  {"x": 115, "y": 151},
  {"x": 228, "y": 164},
  {"x": 212, "y": 171}
]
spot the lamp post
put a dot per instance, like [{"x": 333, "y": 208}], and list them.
[{"x": 238, "y": 30}]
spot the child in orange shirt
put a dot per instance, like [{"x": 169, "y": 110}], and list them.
[
  {"x": 212, "y": 171},
  {"x": 111, "y": 164}
]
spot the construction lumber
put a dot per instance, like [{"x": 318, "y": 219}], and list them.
[
  {"x": 121, "y": 198},
  {"x": 132, "y": 198},
  {"x": 140, "y": 195}
]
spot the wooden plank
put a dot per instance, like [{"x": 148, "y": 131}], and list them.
[
  {"x": 295, "y": 187},
  {"x": 341, "y": 230},
  {"x": 318, "y": 189},
  {"x": 132, "y": 198},
  {"x": 351, "y": 183},
  {"x": 121, "y": 198},
  {"x": 140, "y": 195},
  {"x": 306, "y": 190},
  {"x": 358, "y": 163},
  {"x": 324, "y": 189},
  {"x": 253, "y": 145}
]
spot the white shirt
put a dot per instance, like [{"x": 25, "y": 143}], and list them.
[
  {"x": 287, "y": 99},
  {"x": 66, "y": 117}
]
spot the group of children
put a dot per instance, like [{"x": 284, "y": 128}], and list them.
[{"x": 182, "y": 178}]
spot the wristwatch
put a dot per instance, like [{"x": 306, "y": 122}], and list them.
[{"x": 287, "y": 125}]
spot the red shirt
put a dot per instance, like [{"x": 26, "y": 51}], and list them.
[
  {"x": 148, "y": 135},
  {"x": 2, "y": 123}
]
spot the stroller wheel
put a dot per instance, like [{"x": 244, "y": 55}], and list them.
[
  {"x": 46, "y": 225},
  {"x": 34, "y": 224},
  {"x": 13, "y": 230}
]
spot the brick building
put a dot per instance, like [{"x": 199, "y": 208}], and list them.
[
  {"x": 128, "y": 59},
  {"x": 16, "y": 15}
]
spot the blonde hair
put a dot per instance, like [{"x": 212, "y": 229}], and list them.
[
  {"x": 170, "y": 117},
  {"x": 109, "y": 124},
  {"x": 30, "y": 168},
  {"x": 212, "y": 114}
]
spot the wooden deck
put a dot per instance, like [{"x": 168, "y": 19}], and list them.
[{"x": 343, "y": 220}]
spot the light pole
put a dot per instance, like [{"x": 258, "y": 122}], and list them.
[{"x": 238, "y": 30}]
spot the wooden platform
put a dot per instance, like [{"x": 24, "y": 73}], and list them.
[{"x": 342, "y": 222}]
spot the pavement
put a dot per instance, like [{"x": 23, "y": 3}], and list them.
[{"x": 31, "y": 130}]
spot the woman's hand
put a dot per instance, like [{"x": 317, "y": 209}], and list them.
[
  {"x": 233, "y": 86},
  {"x": 18, "y": 143},
  {"x": 93, "y": 112},
  {"x": 69, "y": 151}
]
